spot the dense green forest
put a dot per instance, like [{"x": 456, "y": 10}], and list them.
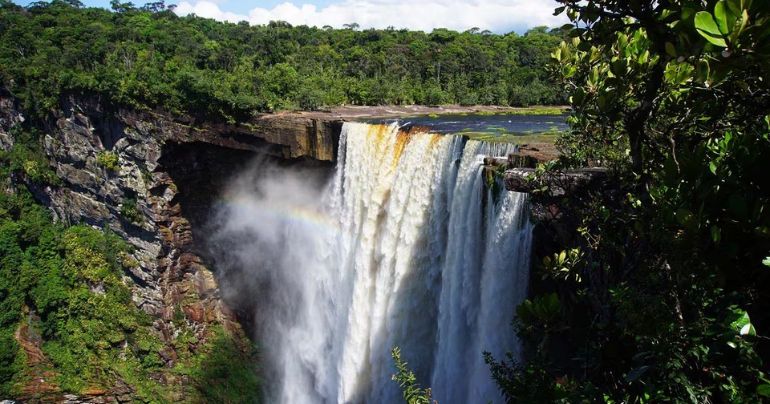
[
  {"x": 663, "y": 296},
  {"x": 150, "y": 57}
]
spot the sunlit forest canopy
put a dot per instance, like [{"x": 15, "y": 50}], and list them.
[{"x": 150, "y": 57}]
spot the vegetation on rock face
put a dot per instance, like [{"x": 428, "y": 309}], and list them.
[
  {"x": 223, "y": 374},
  {"x": 108, "y": 160},
  {"x": 26, "y": 158},
  {"x": 67, "y": 318},
  {"x": 664, "y": 296},
  {"x": 64, "y": 286},
  {"x": 130, "y": 211},
  {"x": 149, "y": 57}
]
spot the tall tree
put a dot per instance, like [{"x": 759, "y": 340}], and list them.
[{"x": 661, "y": 294}]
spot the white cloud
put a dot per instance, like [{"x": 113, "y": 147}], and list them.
[{"x": 494, "y": 15}]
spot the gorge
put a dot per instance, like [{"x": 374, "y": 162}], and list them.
[
  {"x": 327, "y": 243},
  {"x": 205, "y": 211},
  {"x": 405, "y": 246}
]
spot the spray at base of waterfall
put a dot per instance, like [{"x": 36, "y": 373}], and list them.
[{"x": 405, "y": 246}]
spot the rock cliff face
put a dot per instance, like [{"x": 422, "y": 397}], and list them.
[
  {"x": 150, "y": 178},
  {"x": 138, "y": 198},
  {"x": 10, "y": 116}
]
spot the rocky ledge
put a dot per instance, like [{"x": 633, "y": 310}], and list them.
[{"x": 520, "y": 179}]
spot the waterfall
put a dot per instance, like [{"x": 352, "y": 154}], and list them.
[{"x": 406, "y": 246}]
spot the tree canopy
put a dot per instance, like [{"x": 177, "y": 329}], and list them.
[
  {"x": 664, "y": 295},
  {"x": 150, "y": 57}
]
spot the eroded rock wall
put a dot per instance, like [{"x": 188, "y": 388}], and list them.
[
  {"x": 10, "y": 116},
  {"x": 114, "y": 175}
]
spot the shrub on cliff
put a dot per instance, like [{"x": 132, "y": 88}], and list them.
[
  {"x": 27, "y": 158},
  {"x": 108, "y": 160}
]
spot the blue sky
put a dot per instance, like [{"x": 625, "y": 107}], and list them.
[{"x": 495, "y": 15}]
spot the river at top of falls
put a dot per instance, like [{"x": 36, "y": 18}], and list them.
[{"x": 405, "y": 246}]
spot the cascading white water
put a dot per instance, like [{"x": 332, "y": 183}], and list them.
[{"x": 405, "y": 247}]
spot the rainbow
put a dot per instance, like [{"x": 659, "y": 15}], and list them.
[{"x": 293, "y": 213}]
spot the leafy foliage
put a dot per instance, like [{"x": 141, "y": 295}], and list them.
[
  {"x": 67, "y": 285},
  {"x": 71, "y": 279},
  {"x": 223, "y": 371},
  {"x": 26, "y": 158},
  {"x": 149, "y": 57},
  {"x": 411, "y": 391},
  {"x": 130, "y": 211},
  {"x": 664, "y": 302},
  {"x": 108, "y": 160},
  {"x": 526, "y": 383}
]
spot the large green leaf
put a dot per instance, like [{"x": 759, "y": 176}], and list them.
[
  {"x": 735, "y": 6},
  {"x": 748, "y": 329},
  {"x": 724, "y": 17},
  {"x": 764, "y": 390},
  {"x": 706, "y": 23},
  {"x": 742, "y": 323},
  {"x": 707, "y": 27}
]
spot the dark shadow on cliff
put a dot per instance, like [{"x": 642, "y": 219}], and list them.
[
  {"x": 228, "y": 372},
  {"x": 201, "y": 172}
]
